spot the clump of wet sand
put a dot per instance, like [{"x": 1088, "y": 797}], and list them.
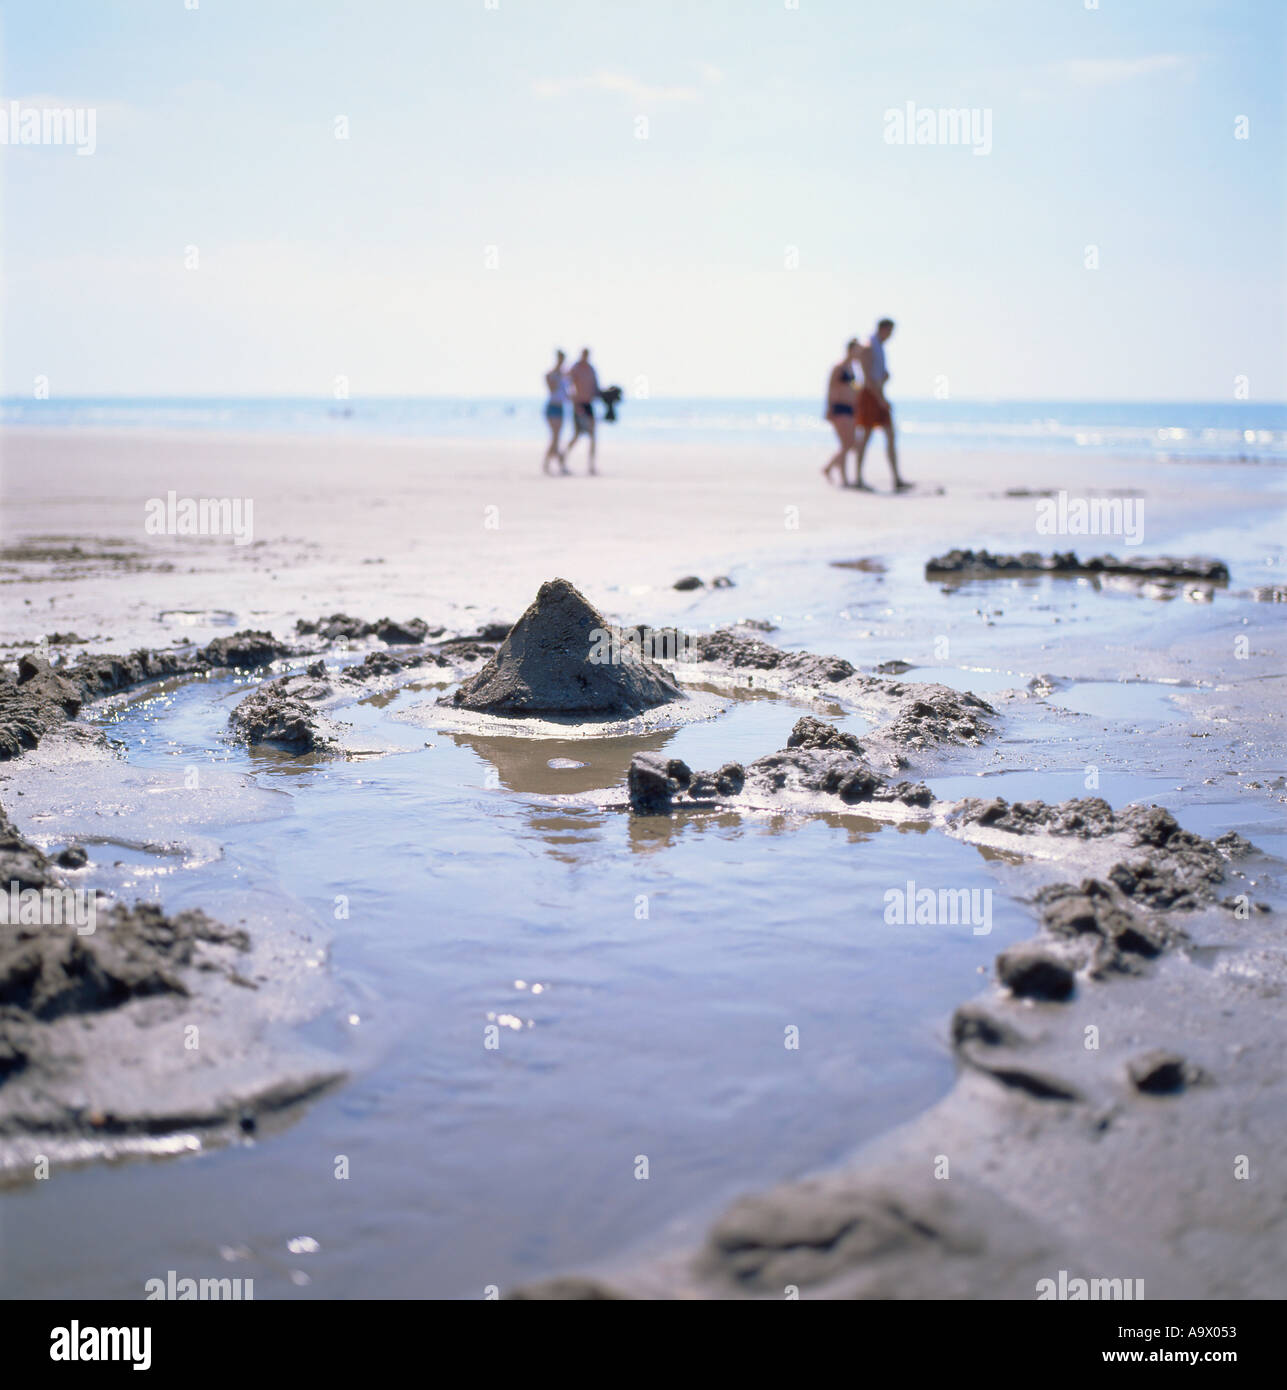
[
  {"x": 818, "y": 759},
  {"x": 101, "y": 1009},
  {"x": 564, "y": 657}
]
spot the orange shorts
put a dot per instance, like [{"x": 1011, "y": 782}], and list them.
[{"x": 872, "y": 411}]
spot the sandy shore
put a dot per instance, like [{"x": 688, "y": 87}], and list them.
[
  {"x": 468, "y": 530},
  {"x": 1000, "y": 1185}
]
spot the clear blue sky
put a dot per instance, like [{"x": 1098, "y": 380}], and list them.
[{"x": 515, "y": 128}]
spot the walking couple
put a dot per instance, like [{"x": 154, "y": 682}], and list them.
[
  {"x": 578, "y": 387},
  {"x": 856, "y": 410}
]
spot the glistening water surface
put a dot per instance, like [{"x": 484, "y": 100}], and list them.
[
  {"x": 1206, "y": 430},
  {"x": 641, "y": 980}
]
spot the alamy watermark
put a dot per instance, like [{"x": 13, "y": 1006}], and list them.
[
  {"x": 49, "y": 125},
  {"x": 1062, "y": 515},
  {"x": 49, "y": 907},
  {"x": 969, "y": 907},
  {"x": 1077, "y": 1289},
  {"x": 72, "y": 1342},
  {"x": 173, "y": 515},
  {"x": 610, "y": 646},
  {"x": 940, "y": 125},
  {"x": 173, "y": 1288}
]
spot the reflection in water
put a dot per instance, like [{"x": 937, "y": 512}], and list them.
[
  {"x": 381, "y": 698},
  {"x": 572, "y": 838},
  {"x": 543, "y": 767},
  {"x": 999, "y": 856},
  {"x": 648, "y": 833},
  {"x": 276, "y": 762},
  {"x": 584, "y": 765},
  {"x": 1195, "y": 590}
]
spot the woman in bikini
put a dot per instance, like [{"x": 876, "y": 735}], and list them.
[
  {"x": 842, "y": 397},
  {"x": 559, "y": 393}
]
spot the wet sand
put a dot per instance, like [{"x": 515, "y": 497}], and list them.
[{"x": 1086, "y": 1179}]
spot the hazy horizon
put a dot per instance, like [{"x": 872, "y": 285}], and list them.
[{"x": 424, "y": 201}]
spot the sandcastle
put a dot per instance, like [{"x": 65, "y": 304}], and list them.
[{"x": 563, "y": 657}]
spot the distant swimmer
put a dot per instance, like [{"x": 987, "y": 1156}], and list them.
[
  {"x": 874, "y": 410},
  {"x": 557, "y": 383},
  {"x": 842, "y": 397},
  {"x": 585, "y": 390}
]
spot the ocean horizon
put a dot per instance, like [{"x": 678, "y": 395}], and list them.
[{"x": 1244, "y": 432}]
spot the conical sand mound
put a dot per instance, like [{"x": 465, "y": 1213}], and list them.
[{"x": 561, "y": 658}]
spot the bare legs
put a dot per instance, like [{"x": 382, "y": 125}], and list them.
[
  {"x": 552, "y": 453},
  {"x": 580, "y": 427},
  {"x": 860, "y": 452},
  {"x": 891, "y": 452},
  {"x": 844, "y": 428}
]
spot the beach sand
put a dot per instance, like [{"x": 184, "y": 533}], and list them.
[
  {"x": 463, "y": 533},
  {"x": 468, "y": 530}
]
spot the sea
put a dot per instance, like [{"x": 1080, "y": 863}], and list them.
[{"x": 1240, "y": 431}]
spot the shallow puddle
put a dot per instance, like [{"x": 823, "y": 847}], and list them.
[
  {"x": 641, "y": 980},
  {"x": 1136, "y": 702}
]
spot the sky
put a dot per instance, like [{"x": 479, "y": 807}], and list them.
[{"x": 710, "y": 195}]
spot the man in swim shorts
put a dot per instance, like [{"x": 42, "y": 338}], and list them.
[
  {"x": 585, "y": 388},
  {"x": 874, "y": 411}
]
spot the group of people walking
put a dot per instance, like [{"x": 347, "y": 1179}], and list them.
[
  {"x": 856, "y": 408},
  {"x": 577, "y": 387}
]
